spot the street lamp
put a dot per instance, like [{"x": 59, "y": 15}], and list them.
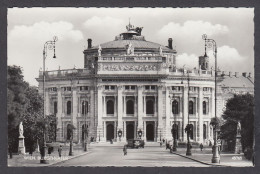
[
  {"x": 174, "y": 135},
  {"x": 120, "y": 134},
  {"x": 189, "y": 126},
  {"x": 211, "y": 43},
  {"x": 48, "y": 45},
  {"x": 140, "y": 133}
]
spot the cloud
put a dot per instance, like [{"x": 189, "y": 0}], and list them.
[
  {"x": 229, "y": 59},
  {"x": 189, "y": 33},
  {"x": 103, "y": 28},
  {"x": 189, "y": 60},
  {"x": 26, "y": 42},
  {"x": 42, "y": 30}
]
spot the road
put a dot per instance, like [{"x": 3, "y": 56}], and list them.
[{"x": 147, "y": 157}]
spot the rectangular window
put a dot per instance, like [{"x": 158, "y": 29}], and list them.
[
  {"x": 133, "y": 87},
  {"x": 127, "y": 87},
  {"x": 147, "y": 87},
  {"x": 112, "y": 87},
  {"x": 153, "y": 87},
  {"x": 106, "y": 87},
  {"x": 83, "y": 88}
]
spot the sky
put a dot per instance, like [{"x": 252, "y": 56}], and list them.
[{"x": 30, "y": 28}]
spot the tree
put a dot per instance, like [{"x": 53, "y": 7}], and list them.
[
  {"x": 23, "y": 104},
  {"x": 240, "y": 108}
]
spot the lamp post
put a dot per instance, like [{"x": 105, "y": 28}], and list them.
[
  {"x": 174, "y": 130},
  {"x": 211, "y": 43},
  {"x": 188, "y": 127},
  {"x": 48, "y": 45}
]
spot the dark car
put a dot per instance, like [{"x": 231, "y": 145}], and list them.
[{"x": 135, "y": 143}]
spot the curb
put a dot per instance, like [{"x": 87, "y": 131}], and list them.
[
  {"x": 58, "y": 162},
  {"x": 210, "y": 164}
]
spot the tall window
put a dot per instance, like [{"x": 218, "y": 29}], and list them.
[
  {"x": 149, "y": 107},
  {"x": 110, "y": 107},
  {"x": 55, "y": 109},
  {"x": 175, "y": 107},
  {"x": 191, "y": 133},
  {"x": 84, "y": 107},
  {"x": 68, "y": 107},
  {"x": 191, "y": 107},
  {"x": 130, "y": 107},
  {"x": 205, "y": 107},
  {"x": 204, "y": 131}
]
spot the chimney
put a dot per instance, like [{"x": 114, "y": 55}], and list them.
[
  {"x": 230, "y": 74},
  {"x": 244, "y": 74},
  {"x": 236, "y": 74},
  {"x": 89, "y": 43},
  {"x": 170, "y": 43}
]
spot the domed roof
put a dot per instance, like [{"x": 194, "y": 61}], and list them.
[{"x": 135, "y": 43}]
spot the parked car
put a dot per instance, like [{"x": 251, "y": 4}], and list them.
[
  {"x": 135, "y": 143},
  {"x": 169, "y": 144}
]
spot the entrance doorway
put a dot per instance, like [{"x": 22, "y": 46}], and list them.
[
  {"x": 150, "y": 132},
  {"x": 130, "y": 131},
  {"x": 110, "y": 132}
]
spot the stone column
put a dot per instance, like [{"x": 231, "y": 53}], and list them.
[
  {"x": 75, "y": 112},
  {"x": 100, "y": 113},
  {"x": 167, "y": 111},
  {"x": 120, "y": 111},
  {"x": 59, "y": 114},
  {"x": 200, "y": 111},
  {"x": 185, "y": 111},
  {"x": 160, "y": 108},
  {"x": 92, "y": 113},
  {"x": 140, "y": 107}
]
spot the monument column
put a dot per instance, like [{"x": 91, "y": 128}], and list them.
[
  {"x": 200, "y": 128},
  {"x": 21, "y": 147}
]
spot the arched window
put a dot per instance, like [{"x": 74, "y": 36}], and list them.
[
  {"x": 84, "y": 107},
  {"x": 68, "y": 107},
  {"x": 204, "y": 103},
  {"x": 191, "y": 133},
  {"x": 55, "y": 109},
  {"x": 110, "y": 107},
  {"x": 191, "y": 107},
  {"x": 149, "y": 107},
  {"x": 69, "y": 131},
  {"x": 130, "y": 107},
  {"x": 204, "y": 131},
  {"x": 175, "y": 107}
]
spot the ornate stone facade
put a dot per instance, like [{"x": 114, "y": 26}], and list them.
[{"x": 121, "y": 92}]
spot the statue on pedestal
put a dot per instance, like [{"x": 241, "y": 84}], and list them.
[
  {"x": 99, "y": 51},
  {"x": 238, "y": 147},
  {"x": 21, "y": 147}
]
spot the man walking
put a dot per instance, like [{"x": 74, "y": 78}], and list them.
[
  {"x": 201, "y": 146},
  {"x": 59, "y": 150}
]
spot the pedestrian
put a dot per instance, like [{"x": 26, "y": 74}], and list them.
[
  {"x": 125, "y": 150},
  {"x": 160, "y": 144},
  {"x": 201, "y": 146},
  {"x": 163, "y": 140},
  {"x": 166, "y": 145},
  {"x": 59, "y": 150}
]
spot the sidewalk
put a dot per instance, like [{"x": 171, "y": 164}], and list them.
[
  {"x": 226, "y": 159},
  {"x": 34, "y": 160}
]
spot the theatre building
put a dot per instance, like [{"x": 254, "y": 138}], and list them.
[{"x": 131, "y": 87}]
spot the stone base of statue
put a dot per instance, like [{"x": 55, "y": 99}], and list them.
[
  {"x": 238, "y": 147},
  {"x": 21, "y": 147}
]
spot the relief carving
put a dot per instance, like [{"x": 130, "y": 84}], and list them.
[{"x": 129, "y": 68}]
